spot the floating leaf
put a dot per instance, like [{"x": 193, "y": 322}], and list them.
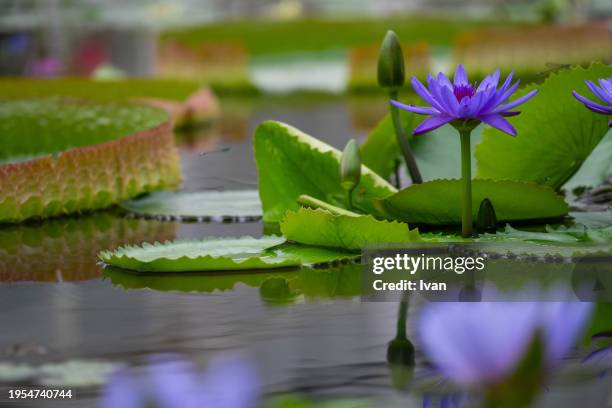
[
  {"x": 556, "y": 133},
  {"x": 291, "y": 163},
  {"x": 222, "y": 254},
  {"x": 61, "y": 157},
  {"x": 187, "y": 101},
  {"x": 438, "y": 202},
  {"x": 596, "y": 168},
  {"x": 72, "y": 373},
  {"x": 241, "y": 205},
  {"x": 320, "y": 227}
]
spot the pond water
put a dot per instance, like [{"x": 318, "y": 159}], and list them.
[{"x": 56, "y": 305}]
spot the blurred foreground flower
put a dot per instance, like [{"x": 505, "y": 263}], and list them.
[
  {"x": 603, "y": 92},
  {"x": 171, "y": 382},
  {"x": 482, "y": 344}
]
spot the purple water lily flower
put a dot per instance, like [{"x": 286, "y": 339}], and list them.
[
  {"x": 603, "y": 92},
  {"x": 465, "y": 102},
  {"x": 172, "y": 382},
  {"x": 476, "y": 344}
]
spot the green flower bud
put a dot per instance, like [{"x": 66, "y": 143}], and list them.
[
  {"x": 391, "y": 63},
  {"x": 350, "y": 166},
  {"x": 487, "y": 219}
]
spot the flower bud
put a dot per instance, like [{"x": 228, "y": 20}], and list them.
[
  {"x": 391, "y": 63},
  {"x": 487, "y": 219},
  {"x": 350, "y": 166}
]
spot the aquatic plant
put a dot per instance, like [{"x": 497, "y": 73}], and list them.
[
  {"x": 603, "y": 92},
  {"x": 465, "y": 106},
  {"x": 68, "y": 156},
  {"x": 391, "y": 77},
  {"x": 220, "y": 254},
  {"x": 483, "y": 344},
  {"x": 170, "y": 381}
]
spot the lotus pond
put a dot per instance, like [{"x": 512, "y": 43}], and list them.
[{"x": 245, "y": 287}]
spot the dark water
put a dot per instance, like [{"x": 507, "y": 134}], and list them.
[{"x": 55, "y": 304}]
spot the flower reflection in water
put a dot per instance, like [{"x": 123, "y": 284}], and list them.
[{"x": 172, "y": 382}]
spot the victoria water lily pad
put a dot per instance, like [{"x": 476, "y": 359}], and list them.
[
  {"x": 240, "y": 205},
  {"x": 61, "y": 157},
  {"x": 222, "y": 254},
  {"x": 320, "y": 227},
  {"x": 438, "y": 202},
  {"x": 291, "y": 163},
  {"x": 186, "y": 101},
  {"x": 556, "y": 133}
]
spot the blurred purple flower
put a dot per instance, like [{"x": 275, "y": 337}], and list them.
[
  {"x": 45, "y": 67},
  {"x": 603, "y": 92},
  {"x": 464, "y": 102},
  {"x": 171, "y": 382},
  {"x": 482, "y": 343}
]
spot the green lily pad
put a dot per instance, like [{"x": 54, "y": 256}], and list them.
[
  {"x": 66, "y": 156},
  {"x": 292, "y": 163},
  {"x": 438, "y": 202},
  {"x": 219, "y": 254},
  {"x": 556, "y": 133},
  {"x": 320, "y": 227},
  {"x": 242, "y": 205}
]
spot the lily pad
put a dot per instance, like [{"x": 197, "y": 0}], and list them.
[
  {"x": 205, "y": 206},
  {"x": 320, "y": 227},
  {"x": 438, "y": 202},
  {"x": 186, "y": 101},
  {"x": 292, "y": 163},
  {"x": 63, "y": 156},
  {"x": 556, "y": 133},
  {"x": 220, "y": 254}
]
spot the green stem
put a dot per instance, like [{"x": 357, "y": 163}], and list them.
[
  {"x": 466, "y": 176},
  {"x": 404, "y": 144},
  {"x": 350, "y": 199}
]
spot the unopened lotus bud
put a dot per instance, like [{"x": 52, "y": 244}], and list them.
[
  {"x": 350, "y": 166},
  {"x": 487, "y": 220},
  {"x": 391, "y": 74}
]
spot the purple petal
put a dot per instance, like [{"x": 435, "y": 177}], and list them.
[
  {"x": 472, "y": 343},
  {"x": 173, "y": 382},
  {"x": 563, "y": 323},
  {"x": 598, "y": 92},
  {"x": 421, "y": 110},
  {"x": 606, "y": 87},
  {"x": 436, "y": 92},
  {"x": 231, "y": 382},
  {"x": 420, "y": 89},
  {"x": 460, "y": 76},
  {"x": 450, "y": 101},
  {"x": 499, "y": 122},
  {"x": 121, "y": 390},
  {"x": 431, "y": 123},
  {"x": 489, "y": 81},
  {"x": 516, "y": 102},
  {"x": 593, "y": 105},
  {"x": 444, "y": 81}
]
